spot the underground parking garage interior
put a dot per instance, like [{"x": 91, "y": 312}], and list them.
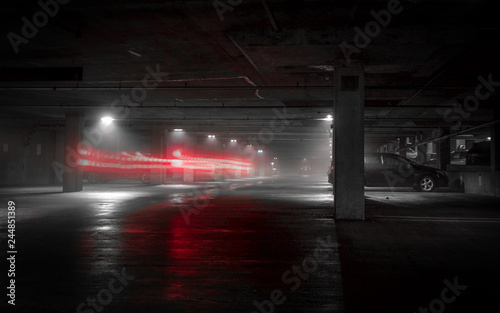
[{"x": 249, "y": 156}]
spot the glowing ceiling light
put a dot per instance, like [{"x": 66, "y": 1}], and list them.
[
  {"x": 107, "y": 120},
  {"x": 177, "y": 153}
]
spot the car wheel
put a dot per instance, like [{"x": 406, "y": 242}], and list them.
[
  {"x": 93, "y": 178},
  {"x": 426, "y": 183}
]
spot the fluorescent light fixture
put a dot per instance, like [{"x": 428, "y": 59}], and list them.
[
  {"x": 107, "y": 120},
  {"x": 178, "y": 130},
  {"x": 211, "y": 136}
]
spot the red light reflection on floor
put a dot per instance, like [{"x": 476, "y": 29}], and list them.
[{"x": 224, "y": 253}]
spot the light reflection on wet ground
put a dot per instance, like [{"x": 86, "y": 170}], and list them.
[{"x": 230, "y": 254}]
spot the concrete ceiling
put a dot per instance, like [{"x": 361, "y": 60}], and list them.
[{"x": 226, "y": 76}]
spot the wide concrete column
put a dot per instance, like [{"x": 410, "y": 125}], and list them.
[
  {"x": 348, "y": 150},
  {"x": 73, "y": 135},
  {"x": 157, "y": 139}
]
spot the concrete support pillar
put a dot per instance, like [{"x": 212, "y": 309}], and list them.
[
  {"x": 73, "y": 135},
  {"x": 402, "y": 146},
  {"x": 421, "y": 153},
  {"x": 495, "y": 152},
  {"x": 390, "y": 147},
  {"x": 187, "y": 145},
  {"x": 444, "y": 152},
  {"x": 349, "y": 142},
  {"x": 188, "y": 176},
  {"x": 157, "y": 139},
  {"x": 237, "y": 173}
]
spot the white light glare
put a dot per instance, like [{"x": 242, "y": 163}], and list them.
[
  {"x": 178, "y": 130},
  {"x": 177, "y": 153},
  {"x": 233, "y": 140},
  {"x": 260, "y": 151},
  {"x": 107, "y": 120},
  {"x": 329, "y": 117},
  {"x": 211, "y": 136}
]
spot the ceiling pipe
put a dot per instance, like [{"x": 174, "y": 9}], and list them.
[{"x": 270, "y": 15}]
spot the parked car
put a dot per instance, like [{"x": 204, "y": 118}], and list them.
[
  {"x": 386, "y": 169},
  {"x": 432, "y": 159},
  {"x": 392, "y": 170},
  {"x": 458, "y": 157},
  {"x": 479, "y": 154}
]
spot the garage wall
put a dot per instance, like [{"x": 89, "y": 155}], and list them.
[
  {"x": 12, "y": 156},
  {"x": 26, "y": 156},
  {"x": 474, "y": 179}
]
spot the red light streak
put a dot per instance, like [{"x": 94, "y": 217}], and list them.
[{"x": 106, "y": 161}]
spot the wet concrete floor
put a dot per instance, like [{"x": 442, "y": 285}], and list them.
[
  {"x": 258, "y": 245},
  {"x": 422, "y": 252},
  {"x": 239, "y": 246}
]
